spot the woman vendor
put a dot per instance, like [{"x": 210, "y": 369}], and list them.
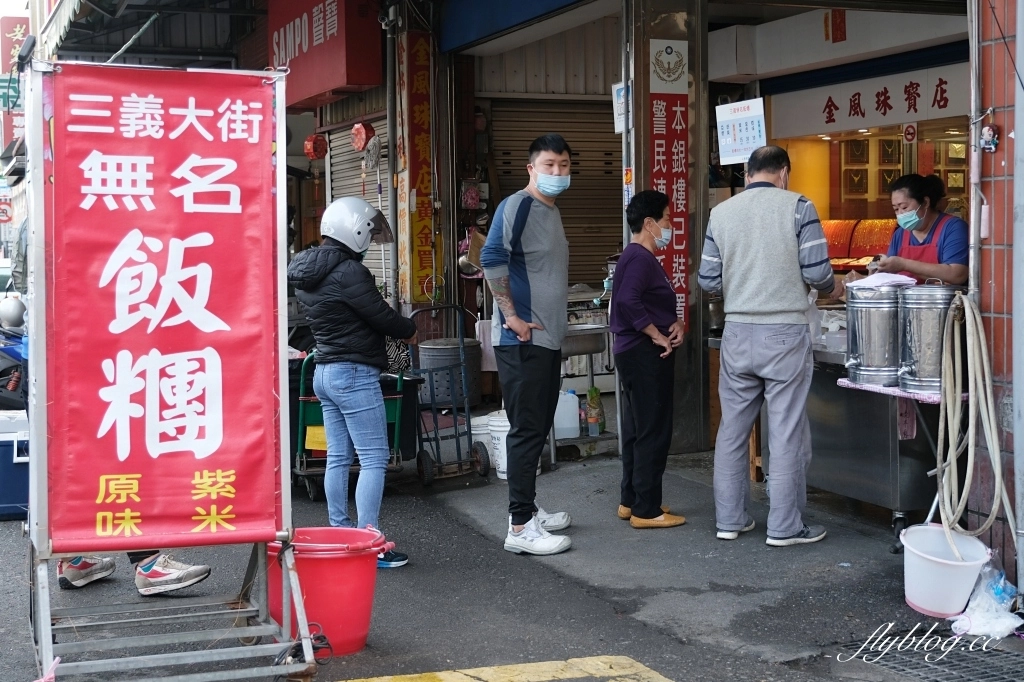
[{"x": 929, "y": 244}]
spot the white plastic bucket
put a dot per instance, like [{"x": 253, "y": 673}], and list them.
[
  {"x": 497, "y": 424},
  {"x": 935, "y": 582},
  {"x": 482, "y": 433}
]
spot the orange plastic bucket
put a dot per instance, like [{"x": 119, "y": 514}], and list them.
[{"x": 337, "y": 570}]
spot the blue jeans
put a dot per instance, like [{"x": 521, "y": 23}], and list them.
[{"x": 354, "y": 421}]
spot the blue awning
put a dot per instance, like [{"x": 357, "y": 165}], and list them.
[{"x": 468, "y": 22}]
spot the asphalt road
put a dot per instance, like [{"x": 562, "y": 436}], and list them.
[{"x": 678, "y": 601}]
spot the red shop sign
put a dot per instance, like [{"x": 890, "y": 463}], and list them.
[
  {"x": 669, "y": 120},
  {"x": 162, "y": 353},
  {"x": 330, "y": 47}
]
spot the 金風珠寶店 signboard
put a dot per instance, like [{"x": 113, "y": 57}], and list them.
[{"x": 939, "y": 92}]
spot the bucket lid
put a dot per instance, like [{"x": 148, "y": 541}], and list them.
[
  {"x": 498, "y": 416},
  {"x": 854, "y": 294},
  {"x": 930, "y": 292},
  {"x": 447, "y": 343}
]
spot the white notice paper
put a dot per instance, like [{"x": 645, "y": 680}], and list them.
[{"x": 741, "y": 130}]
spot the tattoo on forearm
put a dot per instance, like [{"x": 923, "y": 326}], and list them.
[{"x": 502, "y": 293}]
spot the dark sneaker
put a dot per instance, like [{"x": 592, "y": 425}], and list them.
[
  {"x": 806, "y": 536},
  {"x": 733, "y": 534},
  {"x": 82, "y": 570},
  {"x": 392, "y": 559}
]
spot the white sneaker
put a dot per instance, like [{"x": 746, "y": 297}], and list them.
[
  {"x": 164, "y": 574},
  {"x": 733, "y": 534},
  {"x": 551, "y": 522},
  {"x": 533, "y": 539}
]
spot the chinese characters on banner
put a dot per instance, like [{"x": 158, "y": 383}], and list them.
[
  {"x": 419, "y": 163},
  {"x": 938, "y": 92},
  {"x": 669, "y": 123},
  {"x": 13, "y": 31},
  {"x": 163, "y": 352}
]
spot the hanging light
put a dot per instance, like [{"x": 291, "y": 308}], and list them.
[
  {"x": 315, "y": 148},
  {"x": 361, "y": 134}
]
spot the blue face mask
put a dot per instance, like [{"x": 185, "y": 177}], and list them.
[
  {"x": 666, "y": 236},
  {"x": 552, "y": 185},
  {"x": 909, "y": 220}
]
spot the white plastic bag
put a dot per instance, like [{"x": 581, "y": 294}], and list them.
[
  {"x": 814, "y": 316},
  {"x": 834, "y": 320},
  {"x": 988, "y": 611}
]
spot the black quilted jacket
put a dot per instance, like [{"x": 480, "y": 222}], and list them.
[{"x": 346, "y": 313}]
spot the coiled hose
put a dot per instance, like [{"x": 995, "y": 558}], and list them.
[{"x": 981, "y": 404}]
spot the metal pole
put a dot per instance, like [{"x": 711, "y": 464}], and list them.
[
  {"x": 974, "y": 260},
  {"x": 392, "y": 86},
  {"x": 1018, "y": 307},
  {"x": 626, "y": 23}
]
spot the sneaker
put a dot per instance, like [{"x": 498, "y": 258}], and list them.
[
  {"x": 806, "y": 536},
  {"x": 164, "y": 574},
  {"x": 552, "y": 522},
  {"x": 733, "y": 534},
  {"x": 82, "y": 570},
  {"x": 533, "y": 539},
  {"x": 392, "y": 559}
]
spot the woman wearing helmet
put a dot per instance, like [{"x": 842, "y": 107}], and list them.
[{"x": 350, "y": 320}]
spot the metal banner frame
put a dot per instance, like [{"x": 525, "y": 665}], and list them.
[{"x": 243, "y": 616}]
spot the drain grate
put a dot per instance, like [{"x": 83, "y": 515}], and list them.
[{"x": 960, "y": 664}]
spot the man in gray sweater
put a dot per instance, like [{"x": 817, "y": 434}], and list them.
[{"x": 764, "y": 250}]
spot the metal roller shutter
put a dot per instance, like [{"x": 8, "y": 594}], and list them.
[
  {"x": 347, "y": 181},
  {"x": 592, "y": 207}
]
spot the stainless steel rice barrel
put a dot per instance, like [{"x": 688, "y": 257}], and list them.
[
  {"x": 923, "y": 311},
  {"x": 872, "y": 335}
]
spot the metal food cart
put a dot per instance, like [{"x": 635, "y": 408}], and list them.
[{"x": 860, "y": 450}]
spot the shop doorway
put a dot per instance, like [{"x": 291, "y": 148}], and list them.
[{"x": 592, "y": 207}]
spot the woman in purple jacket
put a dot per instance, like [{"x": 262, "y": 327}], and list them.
[{"x": 647, "y": 331}]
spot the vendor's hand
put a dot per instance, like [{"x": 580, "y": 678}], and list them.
[
  {"x": 852, "y": 276},
  {"x": 663, "y": 341},
  {"x": 839, "y": 291},
  {"x": 522, "y": 329},
  {"x": 892, "y": 264},
  {"x": 675, "y": 334}
]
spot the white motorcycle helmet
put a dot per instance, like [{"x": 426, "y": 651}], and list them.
[
  {"x": 356, "y": 224},
  {"x": 12, "y": 312}
]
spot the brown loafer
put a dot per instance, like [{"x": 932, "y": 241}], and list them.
[
  {"x": 663, "y": 521},
  {"x": 626, "y": 512}
]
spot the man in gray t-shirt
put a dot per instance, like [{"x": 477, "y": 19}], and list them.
[{"x": 526, "y": 263}]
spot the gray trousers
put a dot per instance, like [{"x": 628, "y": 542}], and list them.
[{"x": 773, "y": 363}]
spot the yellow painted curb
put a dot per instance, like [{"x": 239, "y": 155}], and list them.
[{"x": 609, "y": 668}]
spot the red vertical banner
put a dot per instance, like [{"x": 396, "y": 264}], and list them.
[
  {"x": 162, "y": 345},
  {"x": 668, "y": 118},
  {"x": 420, "y": 157}
]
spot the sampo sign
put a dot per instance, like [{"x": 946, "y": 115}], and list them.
[{"x": 330, "y": 46}]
